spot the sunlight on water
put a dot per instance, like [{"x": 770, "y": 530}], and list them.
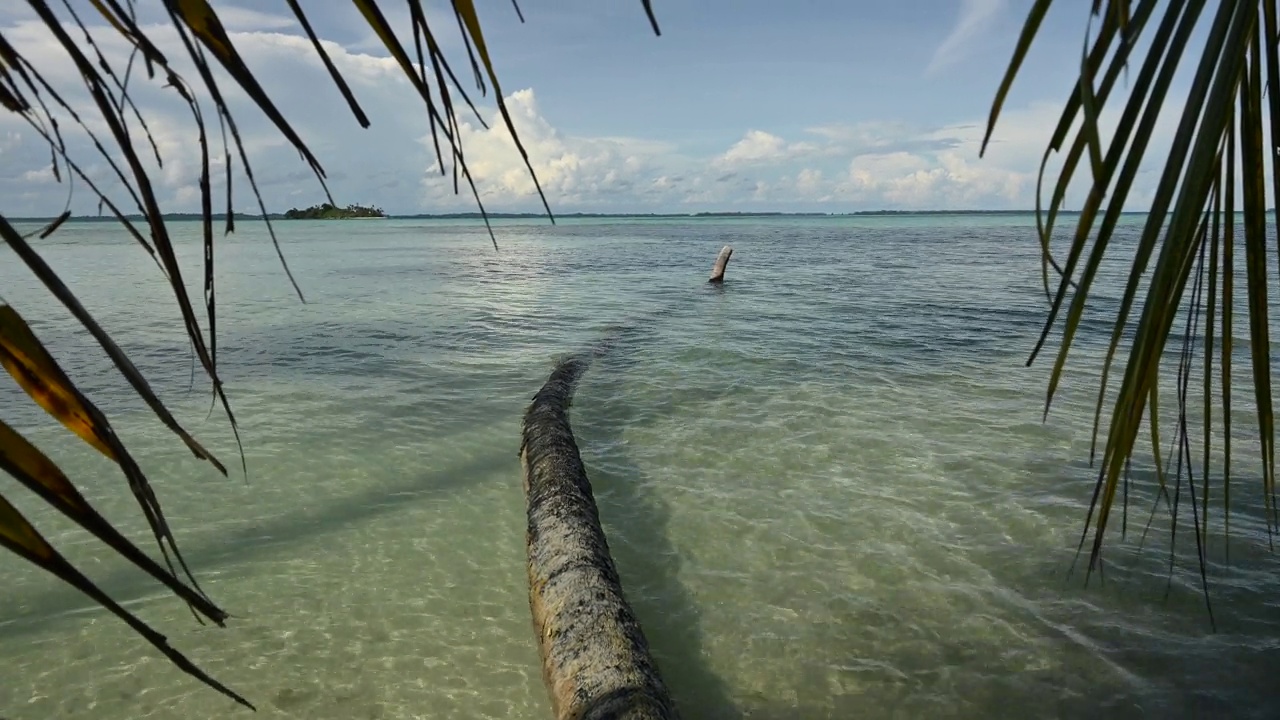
[{"x": 827, "y": 484}]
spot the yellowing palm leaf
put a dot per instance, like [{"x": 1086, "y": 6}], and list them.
[
  {"x": 41, "y": 377},
  {"x": 25, "y": 92}
]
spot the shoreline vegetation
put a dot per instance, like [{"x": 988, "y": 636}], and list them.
[{"x": 329, "y": 212}]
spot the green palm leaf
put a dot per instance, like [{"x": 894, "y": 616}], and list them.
[{"x": 1188, "y": 233}]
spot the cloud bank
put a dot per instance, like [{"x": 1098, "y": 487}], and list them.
[{"x": 829, "y": 166}]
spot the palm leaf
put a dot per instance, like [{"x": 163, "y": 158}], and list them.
[
  {"x": 25, "y": 92},
  {"x": 18, "y": 536},
  {"x": 1189, "y": 233}
]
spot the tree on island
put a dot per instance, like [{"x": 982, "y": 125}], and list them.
[
  {"x": 328, "y": 211},
  {"x": 1231, "y": 109}
]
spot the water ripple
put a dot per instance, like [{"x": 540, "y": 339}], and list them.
[{"x": 827, "y": 483}]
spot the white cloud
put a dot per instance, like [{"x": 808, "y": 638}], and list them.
[
  {"x": 759, "y": 146},
  {"x": 876, "y": 165},
  {"x": 808, "y": 180},
  {"x": 38, "y": 176},
  {"x": 574, "y": 171},
  {"x": 885, "y": 164},
  {"x": 974, "y": 17}
]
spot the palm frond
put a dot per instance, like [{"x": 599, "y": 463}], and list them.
[
  {"x": 26, "y": 92},
  {"x": 1220, "y": 143}
]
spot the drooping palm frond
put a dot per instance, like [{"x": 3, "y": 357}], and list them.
[
  {"x": 1193, "y": 214},
  {"x": 25, "y": 92}
]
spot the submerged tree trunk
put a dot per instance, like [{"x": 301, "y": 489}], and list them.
[
  {"x": 595, "y": 659},
  {"x": 722, "y": 262}
]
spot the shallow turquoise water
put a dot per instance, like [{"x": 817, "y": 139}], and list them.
[{"x": 827, "y": 484}]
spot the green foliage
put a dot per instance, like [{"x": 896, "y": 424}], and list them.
[
  {"x": 327, "y": 211},
  {"x": 25, "y": 92},
  {"x": 1230, "y": 120}
]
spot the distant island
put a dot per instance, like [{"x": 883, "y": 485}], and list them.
[{"x": 327, "y": 211}]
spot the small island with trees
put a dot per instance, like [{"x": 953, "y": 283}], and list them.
[{"x": 328, "y": 211}]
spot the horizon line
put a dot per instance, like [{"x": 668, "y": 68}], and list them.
[{"x": 477, "y": 215}]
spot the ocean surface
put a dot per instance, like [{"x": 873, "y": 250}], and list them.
[{"x": 828, "y": 485}]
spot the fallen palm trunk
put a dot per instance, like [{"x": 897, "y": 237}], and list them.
[{"x": 595, "y": 659}]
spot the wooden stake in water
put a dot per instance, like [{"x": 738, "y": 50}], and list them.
[
  {"x": 595, "y": 659},
  {"x": 722, "y": 261}
]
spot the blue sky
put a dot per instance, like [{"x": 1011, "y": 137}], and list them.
[{"x": 812, "y": 105}]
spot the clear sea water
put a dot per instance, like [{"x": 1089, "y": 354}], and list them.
[{"x": 828, "y": 486}]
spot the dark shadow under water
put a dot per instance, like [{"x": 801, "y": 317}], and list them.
[
  {"x": 252, "y": 542},
  {"x": 636, "y": 525},
  {"x": 637, "y": 522}
]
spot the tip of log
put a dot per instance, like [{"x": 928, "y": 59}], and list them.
[{"x": 722, "y": 261}]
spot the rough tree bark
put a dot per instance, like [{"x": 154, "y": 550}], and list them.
[{"x": 595, "y": 659}]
